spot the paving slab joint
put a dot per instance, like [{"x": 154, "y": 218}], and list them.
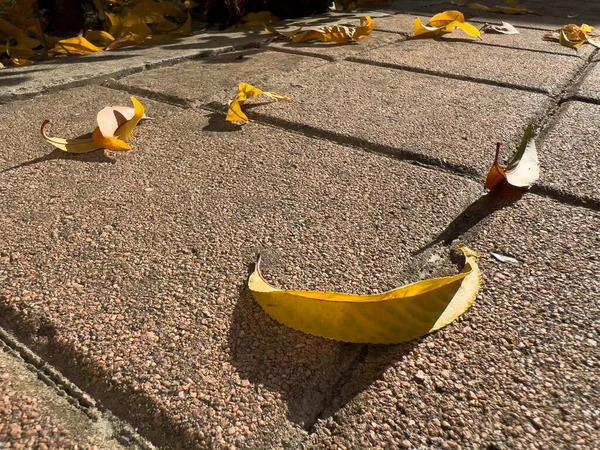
[
  {"x": 123, "y": 431},
  {"x": 406, "y": 155},
  {"x": 147, "y": 93},
  {"x": 435, "y": 73}
]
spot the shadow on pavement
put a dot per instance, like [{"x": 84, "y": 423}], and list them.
[
  {"x": 93, "y": 157},
  {"x": 505, "y": 195},
  {"x": 315, "y": 377}
]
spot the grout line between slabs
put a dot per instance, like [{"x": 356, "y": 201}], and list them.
[{"x": 76, "y": 397}]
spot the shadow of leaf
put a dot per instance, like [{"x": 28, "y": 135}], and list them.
[
  {"x": 315, "y": 377},
  {"x": 98, "y": 156}
]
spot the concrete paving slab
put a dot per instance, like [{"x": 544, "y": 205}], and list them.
[
  {"x": 569, "y": 151},
  {"x": 518, "y": 370},
  {"x": 84, "y": 70},
  {"x": 217, "y": 78},
  {"x": 588, "y": 86},
  {"x": 433, "y": 119},
  {"x": 457, "y": 56},
  {"x": 33, "y": 415},
  {"x": 128, "y": 271}
]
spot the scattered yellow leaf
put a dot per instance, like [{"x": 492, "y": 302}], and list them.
[
  {"x": 99, "y": 38},
  {"x": 20, "y": 62},
  {"x": 392, "y": 317},
  {"x": 522, "y": 170},
  {"x": 572, "y": 36},
  {"x": 9, "y": 31},
  {"x": 74, "y": 46},
  {"x": 115, "y": 125},
  {"x": 338, "y": 33},
  {"x": 246, "y": 91},
  {"x": 444, "y": 23}
]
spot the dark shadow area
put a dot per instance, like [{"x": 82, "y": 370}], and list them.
[
  {"x": 98, "y": 156},
  {"x": 503, "y": 196},
  {"x": 218, "y": 124},
  {"x": 315, "y": 376},
  {"x": 232, "y": 58}
]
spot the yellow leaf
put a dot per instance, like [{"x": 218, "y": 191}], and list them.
[
  {"x": 246, "y": 91},
  {"x": 392, "y": 317},
  {"x": 70, "y": 145},
  {"x": 9, "y": 31},
  {"x": 466, "y": 27},
  {"x": 427, "y": 31},
  {"x": 586, "y": 29},
  {"x": 189, "y": 4},
  {"x": 258, "y": 18},
  {"x": 565, "y": 40},
  {"x": 20, "y": 62},
  {"x": 166, "y": 26},
  {"x": 446, "y": 17},
  {"x": 479, "y": 7},
  {"x": 74, "y": 46},
  {"x": 124, "y": 131},
  {"x": 115, "y": 125},
  {"x": 99, "y": 37},
  {"x": 444, "y": 23},
  {"x": 509, "y": 10},
  {"x": 338, "y": 33}
]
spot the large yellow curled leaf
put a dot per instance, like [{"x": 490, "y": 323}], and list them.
[
  {"x": 392, "y": 317},
  {"x": 99, "y": 38},
  {"x": 9, "y": 31},
  {"x": 445, "y": 18},
  {"x": 246, "y": 91},
  {"x": 115, "y": 125},
  {"x": 74, "y": 46},
  {"x": 338, "y": 33},
  {"x": 443, "y": 23}
]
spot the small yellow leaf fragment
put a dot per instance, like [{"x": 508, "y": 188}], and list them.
[
  {"x": 399, "y": 315},
  {"x": 124, "y": 131},
  {"x": 246, "y": 91},
  {"x": 443, "y": 23}
]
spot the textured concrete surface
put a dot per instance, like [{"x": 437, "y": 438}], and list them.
[
  {"x": 133, "y": 279},
  {"x": 217, "y": 78},
  {"x": 588, "y": 86},
  {"x": 519, "y": 371},
  {"x": 34, "y": 416},
  {"x": 128, "y": 271},
  {"x": 569, "y": 153},
  {"x": 442, "y": 120},
  {"x": 497, "y": 64},
  {"x": 29, "y": 80}
]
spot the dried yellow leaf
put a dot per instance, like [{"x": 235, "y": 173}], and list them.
[
  {"x": 74, "y": 46},
  {"x": 338, "y": 33},
  {"x": 98, "y": 37},
  {"x": 572, "y": 36},
  {"x": 246, "y": 91},
  {"x": 115, "y": 125},
  {"x": 392, "y": 317},
  {"x": 444, "y": 23}
]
